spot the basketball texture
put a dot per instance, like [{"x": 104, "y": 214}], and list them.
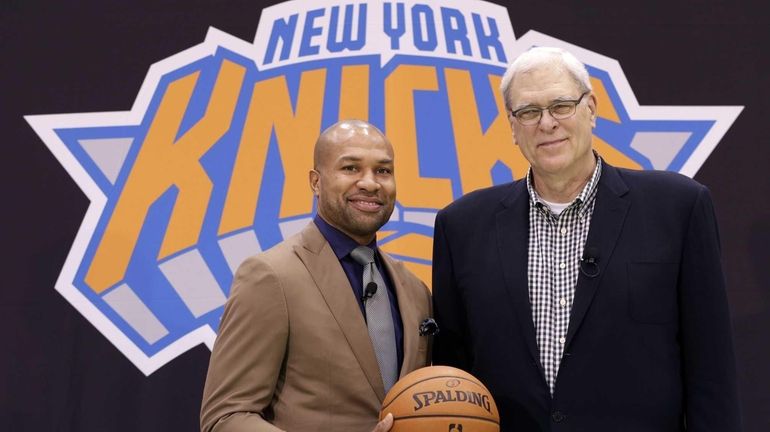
[{"x": 440, "y": 399}]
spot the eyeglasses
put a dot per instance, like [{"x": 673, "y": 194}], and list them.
[{"x": 530, "y": 115}]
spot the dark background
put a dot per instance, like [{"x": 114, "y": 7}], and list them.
[{"x": 57, "y": 373}]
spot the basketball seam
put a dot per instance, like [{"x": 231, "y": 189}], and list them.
[
  {"x": 395, "y": 419},
  {"x": 430, "y": 378}
]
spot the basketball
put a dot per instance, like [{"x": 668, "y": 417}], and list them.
[{"x": 440, "y": 399}]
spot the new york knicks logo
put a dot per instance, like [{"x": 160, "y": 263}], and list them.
[{"x": 210, "y": 164}]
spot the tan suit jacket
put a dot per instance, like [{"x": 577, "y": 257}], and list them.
[{"x": 293, "y": 351}]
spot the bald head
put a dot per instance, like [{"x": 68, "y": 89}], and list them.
[
  {"x": 353, "y": 179},
  {"x": 342, "y": 132}
]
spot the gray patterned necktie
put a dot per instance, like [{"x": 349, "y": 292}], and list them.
[{"x": 379, "y": 319}]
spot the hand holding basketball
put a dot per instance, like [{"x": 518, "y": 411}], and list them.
[{"x": 385, "y": 424}]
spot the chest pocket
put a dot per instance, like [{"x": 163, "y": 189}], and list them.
[{"x": 652, "y": 291}]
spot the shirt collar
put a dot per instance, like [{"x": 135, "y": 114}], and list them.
[
  {"x": 340, "y": 242},
  {"x": 586, "y": 195}
]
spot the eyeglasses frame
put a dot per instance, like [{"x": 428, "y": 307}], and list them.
[{"x": 540, "y": 117}]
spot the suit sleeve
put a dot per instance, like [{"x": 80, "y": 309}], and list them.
[
  {"x": 711, "y": 399},
  {"x": 451, "y": 344},
  {"x": 248, "y": 353}
]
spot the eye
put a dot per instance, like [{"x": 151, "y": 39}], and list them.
[
  {"x": 528, "y": 113},
  {"x": 384, "y": 171},
  {"x": 350, "y": 168},
  {"x": 562, "y": 107}
]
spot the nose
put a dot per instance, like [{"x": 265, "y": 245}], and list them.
[
  {"x": 368, "y": 181},
  {"x": 547, "y": 122}
]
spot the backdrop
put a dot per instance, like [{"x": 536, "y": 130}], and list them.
[{"x": 75, "y": 359}]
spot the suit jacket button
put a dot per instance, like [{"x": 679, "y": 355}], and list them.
[{"x": 557, "y": 416}]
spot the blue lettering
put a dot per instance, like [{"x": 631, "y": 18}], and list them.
[
  {"x": 332, "y": 44},
  {"x": 283, "y": 31},
  {"x": 426, "y": 42},
  {"x": 305, "y": 48},
  {"x": 394, "y": 33},
  {"x": 489, "y": 40},
  {"x": 455, "y": 30}
]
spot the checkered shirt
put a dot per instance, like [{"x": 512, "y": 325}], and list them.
[{"x": 555, "y": 247}]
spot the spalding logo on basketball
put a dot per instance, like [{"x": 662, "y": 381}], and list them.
[{"x": 441, "y": 399}]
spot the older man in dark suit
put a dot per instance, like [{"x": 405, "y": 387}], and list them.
[{"x": 587, "y": 297}]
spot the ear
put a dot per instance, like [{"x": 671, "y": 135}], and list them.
[
  {"x": 511, "y": 121},
  {"x": 315, "y": 179},
  {"x": 593, "y": 108}
]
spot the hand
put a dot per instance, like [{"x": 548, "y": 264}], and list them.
[{"x": 385, "y": 424}]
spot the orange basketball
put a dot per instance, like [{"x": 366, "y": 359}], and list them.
[{"x": 440, "y": 399}]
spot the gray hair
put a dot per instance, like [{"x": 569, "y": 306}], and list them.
[{"x": 545, "y": 56}]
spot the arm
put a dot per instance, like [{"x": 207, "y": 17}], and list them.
[
  {"x": 711, "y": 399},
  {"x": 450, "y": 345},
  {"x": 248, "y": 352}
]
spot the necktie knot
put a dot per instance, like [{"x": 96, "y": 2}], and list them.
[{"x": 363, "y": 255}]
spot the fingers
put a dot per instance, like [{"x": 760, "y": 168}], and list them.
[{"x": 385, "y": 424}]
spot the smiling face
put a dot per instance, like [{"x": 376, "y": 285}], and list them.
[
  {"x": 353, "y": 179},
  {"x": 554, "y": 148}
]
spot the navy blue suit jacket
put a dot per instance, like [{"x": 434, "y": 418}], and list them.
[{"x": 649, "y": 345}]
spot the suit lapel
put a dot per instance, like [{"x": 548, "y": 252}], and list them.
[
  {"x": 512, "y": 225},
  {"x": 325, "y": 269},
  {"x": 409, "y": 314},
  {"x": 606, "y": 224}
]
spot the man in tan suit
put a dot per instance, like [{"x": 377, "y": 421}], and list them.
[{"x": 294, "y": 351}]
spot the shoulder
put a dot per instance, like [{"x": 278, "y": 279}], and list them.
[
  {"x": 277, "y": 256},
  {"x": 663, "y": 190},
  {"x": 266, "y": 269},
  {"x": 660, "y": 181},
  {"x": 470, "y": 204}
]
